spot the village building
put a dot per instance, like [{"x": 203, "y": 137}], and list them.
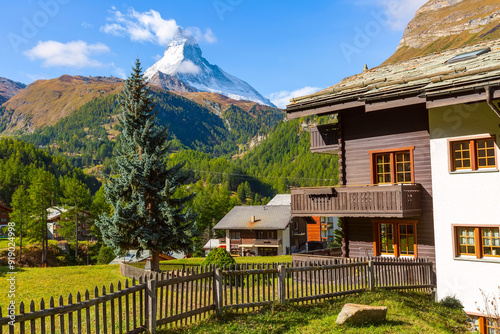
[
  {"x": 4, "y": 217},
  {"x": 417, "y": 143}
]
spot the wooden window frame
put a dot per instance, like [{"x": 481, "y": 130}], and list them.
[
  {"x": 377, "y": 249},
  {"x": 473, "y": 152},
  {"x": 392, "y": 152},
  {"x": 478, "y": 241}
]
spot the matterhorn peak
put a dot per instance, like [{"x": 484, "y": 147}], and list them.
[{"x": 183, "y": 60}]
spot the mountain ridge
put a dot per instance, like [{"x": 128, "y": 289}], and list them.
[
  {"x": 444, "y": 24},
  {"x": 9, "y": 88}
]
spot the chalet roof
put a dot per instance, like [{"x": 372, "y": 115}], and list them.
[
  {"x": 5, "y": 207},
  {"x": 422, "y": 77},
  {"x": 273, "y": 217},
  {"x": 55, "y": 212},
  {"x": 281, "y": 199}
]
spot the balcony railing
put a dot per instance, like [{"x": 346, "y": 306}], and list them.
[
  {"x": 324, "y": 139},
  {"x": 222, "y": 241},
  {"x": 393, "y": 201},
  {"x": 261, "y": 242}
]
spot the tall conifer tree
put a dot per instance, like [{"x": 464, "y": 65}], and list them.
[{"x": 145, "y": 214}]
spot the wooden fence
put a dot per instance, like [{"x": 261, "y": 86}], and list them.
[{"x": 180, "y": 297}]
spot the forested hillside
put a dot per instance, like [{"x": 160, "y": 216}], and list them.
[
  {"x": 88, "y": 136},
  {"x": 21, "y": 161}
]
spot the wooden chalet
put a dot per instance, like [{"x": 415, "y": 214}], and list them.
[
  {"x": 417, "y": 146},
  {"x": 4, "y": 216}
]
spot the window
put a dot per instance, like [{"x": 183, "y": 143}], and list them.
[
  {"x": 478, "y": 241},
  {"x": 3, "y": 220},
  {"x": 234, "y": 235},
  {"x": 484, "y": 325},
  {"x": 473, "y": 154},
  {"x": 395, "y": 238},
  {"x": 392, "y": 166},
  {"x": 492, "y": 326},
  {"x": 266, "y": 235}
]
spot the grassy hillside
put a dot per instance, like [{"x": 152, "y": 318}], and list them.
[{"x": 407, "y": 313}]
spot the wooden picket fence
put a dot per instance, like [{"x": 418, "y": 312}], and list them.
[{"x": 179, "y": 297}]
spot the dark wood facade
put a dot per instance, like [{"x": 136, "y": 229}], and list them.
[
  {"x": 389, "y": 129},
  {"x": 4, "y": 214},
  {"x": 363, "y": 204}
]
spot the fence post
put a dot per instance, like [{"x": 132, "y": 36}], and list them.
[
  {"x": 281, "y": 284},
  {"x": 218, "y": 290},
  {"x": 151, "y": 297},
  {"x": 371, "y": 276}
]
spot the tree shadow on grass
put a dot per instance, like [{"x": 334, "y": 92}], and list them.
[{"x": 5, "y": 271}]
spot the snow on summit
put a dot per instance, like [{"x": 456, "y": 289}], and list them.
[{"x": 183, "y": 59}]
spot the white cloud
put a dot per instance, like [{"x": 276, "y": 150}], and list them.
[
  {"x": 72, "y": 54},
  {"x": 400, "y": 12},
  {"x": 188, "y": 67},
  {"x": 150, "y": 27},
  {"x": 282, "y": 98},
  {"x": 118, "y": 71}
]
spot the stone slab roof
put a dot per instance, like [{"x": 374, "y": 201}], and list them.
[
  {"x": 274, "y": 217},
  {"x": 425, "y": 74}
]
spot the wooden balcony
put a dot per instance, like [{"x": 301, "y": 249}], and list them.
[
  {"x": 393, "y": 201},
  {"x": 325, "y": 139},
  {"x": 261, "y": 242}
]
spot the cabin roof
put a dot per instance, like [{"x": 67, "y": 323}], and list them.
[
  {"x": 267, "y": 217},
  {"x": 422, "y": 77}
]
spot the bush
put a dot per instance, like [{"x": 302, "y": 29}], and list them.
[
  {"x": 451, "y": 302},
  {"x": 106, "y": 255},
  {"x": 219, "y": 257}
]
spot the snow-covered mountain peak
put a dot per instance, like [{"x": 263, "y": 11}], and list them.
[{"x": 183, "y": 60}]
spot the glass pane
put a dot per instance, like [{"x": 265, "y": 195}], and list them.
[
  {"x": 481, "y": 153},
  {"x": 486, "y": 232},
  {"x": 462, "y": 240},
  {"x": 470, "y": 232},
  {"x": 410, "y": 247},
  {"x": 462, "y": 249},
  {"x": 458, "y": 164},
  {"x": 487, "y": 251},
  {"x": 487, "y": 242},
  {"x": 471, "y": 249},
  {"x": 470, "y": 241},
  {"x": 481, "y": 144},
  {"x": 466, "y": 163},
  {"x": 466, "y": 154},
  {"x": 491, "y": 161}
]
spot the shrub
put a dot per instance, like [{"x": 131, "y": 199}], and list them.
[
  {"x": 220, "y": 257},
  {"x": 106, "y": 255},
  {"x": 451, "y": 302}
]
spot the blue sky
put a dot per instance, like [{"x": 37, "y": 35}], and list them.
[{"x": 280, "y": 47}]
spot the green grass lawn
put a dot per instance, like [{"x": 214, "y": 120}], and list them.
[
  {"x": 407, "y": 313},
  {"x": 38, "y": 283}
]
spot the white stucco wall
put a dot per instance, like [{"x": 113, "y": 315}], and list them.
[{"x": 471, "y": 198}]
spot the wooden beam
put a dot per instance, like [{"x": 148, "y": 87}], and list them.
[
  {"x": 389, "y": 104},
  {"x": 323, "y": 110}
]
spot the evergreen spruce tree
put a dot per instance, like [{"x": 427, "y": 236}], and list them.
[{"x": 145, "y": 213}]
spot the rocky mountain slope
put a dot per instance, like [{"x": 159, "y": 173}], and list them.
[
  {"x": 445, "y": 24},
  {"x": 44, "y": 102},
  {"x": 183, "y": 60},
  {"x": 9, "y": 88}
]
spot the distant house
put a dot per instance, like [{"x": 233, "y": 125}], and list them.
[
  {"x": 318, "y": 230},
  {"x": 418, "y": 147},
  {"x": 4, "y": 216},
  {"x": 53, "y": 216},
  {"x": 211, "y": 244},
  {"x": 262, "y": 230}
]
